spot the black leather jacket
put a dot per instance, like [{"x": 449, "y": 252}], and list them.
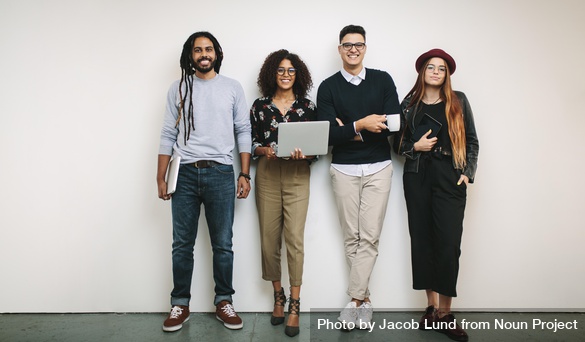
[{"x": 405, "y": 146}]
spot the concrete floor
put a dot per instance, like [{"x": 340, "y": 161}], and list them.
[{"x": 146, "y": 327}]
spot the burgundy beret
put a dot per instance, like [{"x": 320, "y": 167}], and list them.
[{"x": 420, "y": 62}]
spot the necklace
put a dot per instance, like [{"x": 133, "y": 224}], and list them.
[
  {"x": 430, "y": 104},
  {"x": 283, "y": 105}
]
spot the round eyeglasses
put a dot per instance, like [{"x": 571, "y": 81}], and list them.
[
  {"x": 291, "y": 71},
  {"x": 432, "y": 67},
  {"x": 359, "y": 46}
]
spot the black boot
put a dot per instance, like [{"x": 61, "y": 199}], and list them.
[{"x": 426, "y": 321}]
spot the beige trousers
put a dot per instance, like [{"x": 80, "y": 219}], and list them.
[
  {"x": 361, "y": 204},
  {"x": 282, "y": 200}
]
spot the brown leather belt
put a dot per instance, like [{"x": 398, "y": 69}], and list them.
[{"x": 202, "y": 164}]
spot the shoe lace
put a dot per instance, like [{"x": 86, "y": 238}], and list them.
[
  {"x": 176, "y": 312},
  {"x": 365, "y": 310},
  {"x": 228, "y": 309},
  {"x": 366, "y": 305},
  {"x": 279, "y": 298},
  {"x": 294, "y": 306}
]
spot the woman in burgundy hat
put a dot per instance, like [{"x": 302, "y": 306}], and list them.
[{"x": 439, "y": 141}]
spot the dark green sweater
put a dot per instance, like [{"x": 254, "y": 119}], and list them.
[{"x": 337, "y": 98}]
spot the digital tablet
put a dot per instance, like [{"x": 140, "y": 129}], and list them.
[
  {"x": 427, "y": 122},
  {"x": 312, "y": 137}
]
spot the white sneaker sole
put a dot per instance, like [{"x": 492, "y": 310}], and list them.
[
  {"x": 230, "y": 326},
  {"x": 175, "y": 327}
]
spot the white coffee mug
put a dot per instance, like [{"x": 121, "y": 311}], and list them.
[{"x": 393, "y": 122}]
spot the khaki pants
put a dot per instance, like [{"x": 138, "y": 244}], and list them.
[
  {"x": 361, "y": 204},
  {"x": 282, "y": 200}
]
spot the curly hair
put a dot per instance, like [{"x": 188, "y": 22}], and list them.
[{"x": 267, "y": 77}]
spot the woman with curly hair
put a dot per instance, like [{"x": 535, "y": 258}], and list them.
[
  {"x": 441, "y": 148},
  {"x": 282, "y": 184}
]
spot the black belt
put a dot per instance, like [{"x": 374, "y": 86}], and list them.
[
  {"x": 202, "y": 164},
  {"x": 442, "y": 151}
]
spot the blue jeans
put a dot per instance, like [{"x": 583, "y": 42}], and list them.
[{"x": 214, "y": 187}]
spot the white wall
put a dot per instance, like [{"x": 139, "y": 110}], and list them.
[{"x": 83, "y": 86}]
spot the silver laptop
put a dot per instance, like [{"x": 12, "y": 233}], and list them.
[
  {"x": 173, "y": 175},
  {"x": 310, "y": 136}
]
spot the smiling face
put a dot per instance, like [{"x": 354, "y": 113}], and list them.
[
  {"x": 286, "y": 80},
  {"x": 203, "y": 56},
  {"x": 435, "y": 72},
  {"x": 353, "y": 58}
]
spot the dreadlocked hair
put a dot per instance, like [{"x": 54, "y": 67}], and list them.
[
  {"x": 453, "y": 112},
  {"x": 186, "y": 84}
]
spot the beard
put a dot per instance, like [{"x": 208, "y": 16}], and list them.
[{"x": 206, "y": 69}]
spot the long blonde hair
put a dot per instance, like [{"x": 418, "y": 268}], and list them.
[{"x": 453, "y": 112}]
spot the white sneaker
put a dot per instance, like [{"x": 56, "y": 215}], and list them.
[
  {"x": 348, "y": 316},
  {"x": 364, "y": 315}
]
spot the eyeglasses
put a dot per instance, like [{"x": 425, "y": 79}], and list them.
[
  {"x": 432, "y": 67},
  {"x": 291, "y": 71},
  {"x": 359, "y": 46}
]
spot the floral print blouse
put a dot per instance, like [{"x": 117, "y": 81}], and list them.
[{"x": 265, "y": 117}]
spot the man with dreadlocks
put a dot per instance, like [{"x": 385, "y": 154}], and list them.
[{"x": 206, "y": 115}]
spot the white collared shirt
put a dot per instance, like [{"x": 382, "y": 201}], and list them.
[
  {"x": 355, "y": 80},
  {"x": 359, "y": 170}
]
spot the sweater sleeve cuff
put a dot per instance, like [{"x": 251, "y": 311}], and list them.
[{"x": 166, "y": 150}]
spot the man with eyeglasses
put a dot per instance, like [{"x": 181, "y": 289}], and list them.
[{"x": 356, "y": 101}]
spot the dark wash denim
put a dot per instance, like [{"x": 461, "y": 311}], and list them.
[{"x": 214, "y": 187}]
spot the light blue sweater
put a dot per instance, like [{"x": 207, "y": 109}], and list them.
[{"x": 221, "y": 118}]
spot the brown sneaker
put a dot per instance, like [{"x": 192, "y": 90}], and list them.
[
  {"x": 179, "y": 315},
  {"x": 225, "y": 312}
]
